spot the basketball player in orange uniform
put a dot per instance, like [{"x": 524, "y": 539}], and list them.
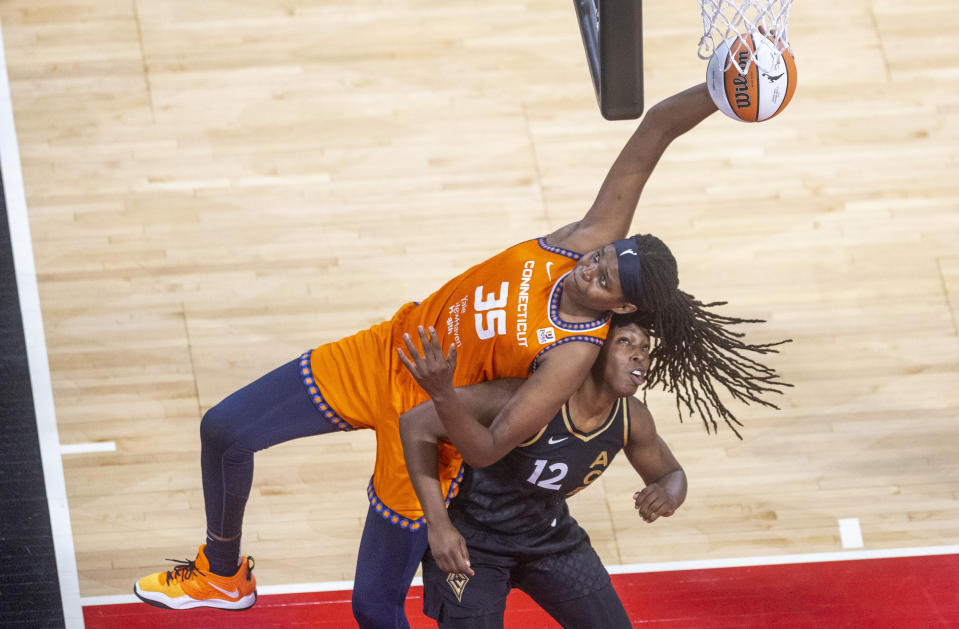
[{"x": 539, "y": 310}]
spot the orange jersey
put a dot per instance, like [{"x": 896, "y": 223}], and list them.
[{"x": 503, "y": 315}]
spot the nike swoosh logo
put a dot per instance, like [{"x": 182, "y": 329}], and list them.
[
  {"x": 234, "y": 594},
  {"x": 548, "y": 274},
  {"x": 553, "y": 440}
]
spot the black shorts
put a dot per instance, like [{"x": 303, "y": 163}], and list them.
[{"x": 571, "y": 585}]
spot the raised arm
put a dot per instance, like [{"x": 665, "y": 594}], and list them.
[
  {"x": 533, "y": 405},
  {"x": 665, "y": 479},
  {"x": 420, "y": 431},
  {"x": 612, "y": 212}
]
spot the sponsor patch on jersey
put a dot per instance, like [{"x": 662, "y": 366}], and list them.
[
  {"x": 458, "y": 584},
  {"x": 546, "y": 335}
]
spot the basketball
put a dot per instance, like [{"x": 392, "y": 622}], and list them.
[{"x": 746, "y": 91}]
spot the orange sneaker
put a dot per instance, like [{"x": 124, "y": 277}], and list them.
[{"x": 191, "y": 584}]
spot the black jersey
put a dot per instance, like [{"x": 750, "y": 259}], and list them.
[{"x": 527, "y": 488}]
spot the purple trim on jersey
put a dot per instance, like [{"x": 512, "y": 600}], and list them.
[
  {"x": 558, "y": 250},
  {"x": 309, "y": 383},
  {"x": 554, "y": 298},
  {"x": 408, "y": 524},
  {"x": 568, "y": 339}
]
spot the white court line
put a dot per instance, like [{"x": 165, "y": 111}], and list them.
[
  {"x": 86, "y": 448},
  {"x": 849, "y": 533},
  {"x": 116, "y": 599},
  {"x": 636, "y": 568},
  {"x": 777, "y": 560},
  {"x": 25, "y": 272},
  {"x": 325, "y": 586}
]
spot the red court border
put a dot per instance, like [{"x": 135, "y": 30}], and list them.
[{"x": 893, "y": 593}]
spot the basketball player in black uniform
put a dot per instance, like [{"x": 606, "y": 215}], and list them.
[{"x": 510, "y": 525}]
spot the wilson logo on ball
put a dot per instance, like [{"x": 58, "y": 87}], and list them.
[
  {"x": 741, "y": 84},
  {"x": 736, "y": 87}
]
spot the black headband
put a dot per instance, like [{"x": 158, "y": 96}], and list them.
[{"x": 630, "y": 278}]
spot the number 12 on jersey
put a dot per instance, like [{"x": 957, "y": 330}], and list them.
[
  {"x": 492, "y": 306},
  {"x": 559, "y": 471}
]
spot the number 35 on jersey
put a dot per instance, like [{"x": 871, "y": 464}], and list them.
[{"x": 490, "y": 311}]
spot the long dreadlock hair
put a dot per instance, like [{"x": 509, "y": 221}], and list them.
[{"x": 695, "y": 351}]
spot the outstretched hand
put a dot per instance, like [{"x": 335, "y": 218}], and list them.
[{"x": 432, "y": 370}]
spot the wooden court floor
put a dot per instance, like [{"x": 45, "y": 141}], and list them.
[{"x": 214, "y": 187}]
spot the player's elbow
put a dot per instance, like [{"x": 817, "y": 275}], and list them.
[
  {"x": 485, "y": 452},
  {"x": 661, "y": 126},
  {"x": 405, "y": 430},
  {"x": 479, "y": 458},
  {"x": 411, "y": 428}
]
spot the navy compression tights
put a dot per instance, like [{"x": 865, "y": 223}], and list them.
[{"x": 272, "y": 410}]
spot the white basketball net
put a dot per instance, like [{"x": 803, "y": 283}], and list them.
[{"x": 723, "y": 19}]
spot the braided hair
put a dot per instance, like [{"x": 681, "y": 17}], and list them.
[{"x": 696, "y": 353}]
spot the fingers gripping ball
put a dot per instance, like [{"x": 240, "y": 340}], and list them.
[{"x": 747, "y": 90}]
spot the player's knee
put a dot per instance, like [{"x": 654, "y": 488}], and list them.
[{"x": 218, "y": 428}]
